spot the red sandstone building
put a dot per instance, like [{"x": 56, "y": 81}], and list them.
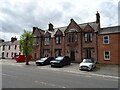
[
  {"x": 78, "y": 41},
  {"x": 108, "y": 45}
]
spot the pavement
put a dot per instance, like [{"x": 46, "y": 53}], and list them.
[{"x": 102, "y": 70}]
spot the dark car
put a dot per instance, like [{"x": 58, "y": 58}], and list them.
[
  {"x": 44, "y": 61},
  {"x": 61, "y": 61}
]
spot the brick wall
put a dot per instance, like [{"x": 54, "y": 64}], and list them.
[{"x": 113, "y": 47}]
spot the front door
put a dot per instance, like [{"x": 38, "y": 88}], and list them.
[{"x": 72, "y": 54}]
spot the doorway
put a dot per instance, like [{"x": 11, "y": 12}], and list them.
[
  {"x": 35, "y": 56},
  {"x": 72, "y": 54}
]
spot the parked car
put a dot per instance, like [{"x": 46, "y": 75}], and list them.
[
  {"x": 44, "y": 61},
  {"x": 87, "y": 64},
  {"x": 61, "y": 61},
  {"x": 21, "y": 58}
]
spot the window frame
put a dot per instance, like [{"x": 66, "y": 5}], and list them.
[
  {"x": 58, "y": 39},
  {"x": 15, "y": 47},
  {"x": 12, "y": 54},
  {"x": 47, "y": 41},
  {"x": 105, "y": 55},
  {"x": 3, "y": 47},
  {"x": 88, "y": 37},
  {"x": 7, "y": 54},
  {"x": 9, "y": 47},
  {"x": 46, "y": 52},
  {"x": 58, "y": 52},
  {"x": 104, "y": 39},
  {"x": 72, "y": 37}
]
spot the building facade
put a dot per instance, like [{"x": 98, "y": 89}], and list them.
[
  {"x": 78, "y": 41},
  {"x": 10, "y": 49},
  {"x": 108, "y": 45}
]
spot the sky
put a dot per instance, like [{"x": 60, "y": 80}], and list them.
[{"x": 17, "y": 15}]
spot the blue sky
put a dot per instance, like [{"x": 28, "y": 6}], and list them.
[{"x": 17, "y": 15}]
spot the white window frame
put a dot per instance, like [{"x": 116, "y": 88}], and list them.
[
  {"x": 88, "y": 37},
  {"x": 105, "y": 55},
  {"x": 108, "y": 39},
  {"x": 46, "y": 52},
  {"x": 47, "y": 41}
]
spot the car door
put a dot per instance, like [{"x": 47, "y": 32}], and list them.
[{"x": 66, "y": 60}]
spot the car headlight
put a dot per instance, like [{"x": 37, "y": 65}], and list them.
[{"x": 90, "y": 65}]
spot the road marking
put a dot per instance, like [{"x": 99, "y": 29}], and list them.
[
  {"x": 50, "y": 84},
  {"x": 8, "y": 75}
]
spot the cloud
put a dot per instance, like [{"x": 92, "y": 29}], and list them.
[
  {"x": 17, "y": 15},
  {"x": 109, "y": 14}
]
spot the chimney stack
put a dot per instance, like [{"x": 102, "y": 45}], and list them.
[
  {"x": 97, "y": 17},
  {"x": 50, "y": 27},
  {"x": 13, "y": 39}
]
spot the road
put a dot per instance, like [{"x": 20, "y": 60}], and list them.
[{"x": 31, "y": 76}]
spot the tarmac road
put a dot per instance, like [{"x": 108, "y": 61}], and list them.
[{"x": 18, "y": 75}]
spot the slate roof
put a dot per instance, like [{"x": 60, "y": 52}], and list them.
[
  {"x": 109, "y": 30},
  {"x": 5, "y": 43},
  {"x": 42, "y": 31},
  {"x": 10, "y": 43},
  {"x": 94, "y": 25}
]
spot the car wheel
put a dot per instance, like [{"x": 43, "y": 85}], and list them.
[
  {"x": 68, "y": 63},
  {"x": 91, "y": 69}
]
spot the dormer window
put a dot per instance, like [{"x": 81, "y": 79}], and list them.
[
  {"x": 47, "y": 41},
  {"x": 88, "y": 37}
]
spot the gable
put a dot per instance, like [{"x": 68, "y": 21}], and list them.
[
  {"x": 88, "y": 28},
  {"x": 58, "y": 32},
  {"x": 36, "y": 31},
  {"x": 73, "y": 25},
  {"x": 47, "y": 34}
]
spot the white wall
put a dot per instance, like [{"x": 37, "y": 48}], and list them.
[{"x": 12, "y": 50}]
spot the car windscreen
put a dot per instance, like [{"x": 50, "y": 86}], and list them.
[
  {"x": 88, "y": 61},
  {"x": 59, "y": 58},
  {"x": 43, "y": 59}
]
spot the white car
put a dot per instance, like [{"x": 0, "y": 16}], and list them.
[{"x": 87, "y": 64}]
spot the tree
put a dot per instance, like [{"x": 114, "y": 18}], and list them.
[{"x": 26, "y": 41}]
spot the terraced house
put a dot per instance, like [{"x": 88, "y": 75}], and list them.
[
  {"x": 108, "y": 45},
  {"x": 75, "y": 40},
  {"x": 10, "y": 49}
]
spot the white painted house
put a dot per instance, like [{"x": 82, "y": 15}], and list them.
[{"x": 10, "y": 49}]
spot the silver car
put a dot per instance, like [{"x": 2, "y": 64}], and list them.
[{"x": 87, "y": 64}]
